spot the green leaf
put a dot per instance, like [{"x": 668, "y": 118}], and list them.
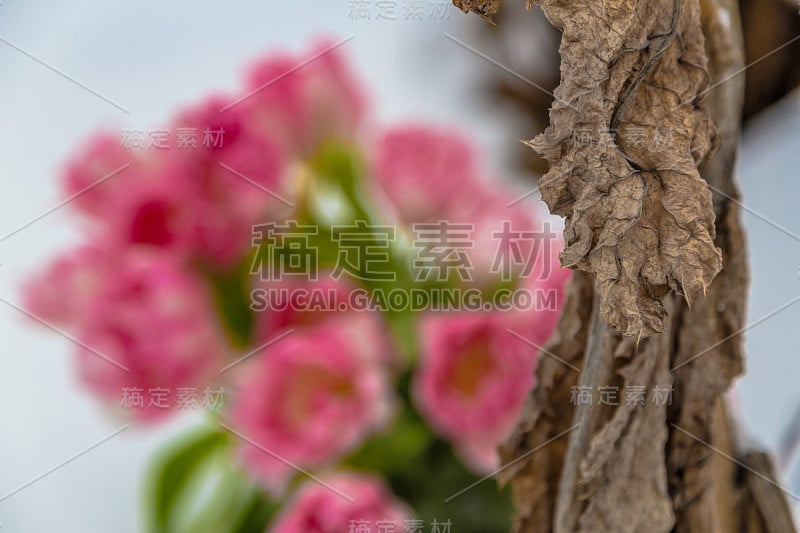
[
  {"x": 195, "y": 488},
  {"x": 431, "y": 486},
  {"x": 394, "y": 450},
  {"x": 231, "y": 292},
  {"x": 234, "y": 506},
  {"x": 172, "y": 472}
]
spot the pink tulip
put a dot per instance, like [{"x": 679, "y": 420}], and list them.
[
  {"x": 509, "y": 241},
  {"x": 427, "y": 174},
  {"x": 472, "y": 381},
  {"x": 100, "y": 173},
  {"x": 63, "y": 291},
  {"x": 477, "y": 368},
  {"x": 234, "y": 164},
  {"x": 300, "y": 304},
  {"x": 307, "y": 400},
  {"x": 348, "y": 503},
  {"x": 298, "y": 301},
  {"x": 234, "y": 179},
  {"x": 306, "y": 100},
  {"x": 154, "y": 213},
  {"x": 203, "y": 202},
  {"x": 540, "y": 322},
  {"x": 149, "y": 325}
]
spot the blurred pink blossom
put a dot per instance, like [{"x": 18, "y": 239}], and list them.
[
  {"x": 297, "y": 301},
  {"x": 197, "y": 201},
  {"x": 149, "y": 315},
  {"x": 235, "y": 180},
  {"x": 155, "y": 213},
  {"x": 237, "y": 166},
  {"x": 62, "y": 292},
  {"x": 509, "y": 241},
  {"x": 302, "y": 303},
  {"x": 305, "y": 100},
  {"x": 539, "y": 323},
  {"x": 427, "y": 174},
  {"x": 99, "y": 173},
  {"x": 310, "y": 398},
  {"x": 318, "y": 509},
  {"x": 472, "y": 380}
]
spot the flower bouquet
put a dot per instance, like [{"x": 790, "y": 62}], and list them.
[{"x": 354, "y": 309}]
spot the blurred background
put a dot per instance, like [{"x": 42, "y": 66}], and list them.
[{"x": 436, "y": 65}]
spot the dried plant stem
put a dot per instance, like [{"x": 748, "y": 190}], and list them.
[
  {"x": 657, "y": 468},
  {"x": 596, "y": 363}
]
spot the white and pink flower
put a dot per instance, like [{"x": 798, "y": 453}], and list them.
[
  {"x": 63, "y": 291},
  {"x": 141, "y": 321},
  {"x": 477, "y": 368},
  {"x": 236, "y": 179},
  {"x": 427, "y": 174},
  {"x": 300, "y": 304},
  {"x": 310, "y": 398},
  {"x": 305, "y": 107},
  {"x": 99, "y": 173},
  {"x": 349, "y": 501}
]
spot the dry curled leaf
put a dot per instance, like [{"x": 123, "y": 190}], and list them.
[
  {"x": 627, "y": 134},
  {"x": 484, "y": 8}
]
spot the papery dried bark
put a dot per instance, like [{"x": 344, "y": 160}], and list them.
[
  {"x": 638, "y": 215},
  {"x": 640, "y": 226},
  {"x": 547, "y": 419}
]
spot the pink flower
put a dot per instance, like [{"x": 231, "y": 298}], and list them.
[
  {"x": 237, "y": 180},
  {"x": 233, "y": 180},
  {"x": 197, "y": 200},
  {"x": 477, "y": 368},
  {"x": 62, "y": 292},
  {"x": 154, "y": 213},
  {"x": 427, "y": 174},
  {"x": 302, "y": 303},
  {"x": 305, "y": 100},
  {"x": 472, "y": 381},
  {"x": 99, "y": 173},
  {"x": 308, "y": 399},
  {"x": 547, "y": 287},
  {"x": 318, "y": 509},
  {"x": 297, "y": 302},
  {"x": 234, "y": 165},
  {"x": 510, "y": 242},
  {"x": 149, "y": 325}
]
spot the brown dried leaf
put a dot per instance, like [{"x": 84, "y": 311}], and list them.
[
  {"x": 484, "y": 8},
  {"x": 638, "y": 214}
]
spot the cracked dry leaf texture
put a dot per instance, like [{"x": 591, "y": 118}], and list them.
[
  {"x": 483, "y": 8},
  {"x": 627, "y": 134}
]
